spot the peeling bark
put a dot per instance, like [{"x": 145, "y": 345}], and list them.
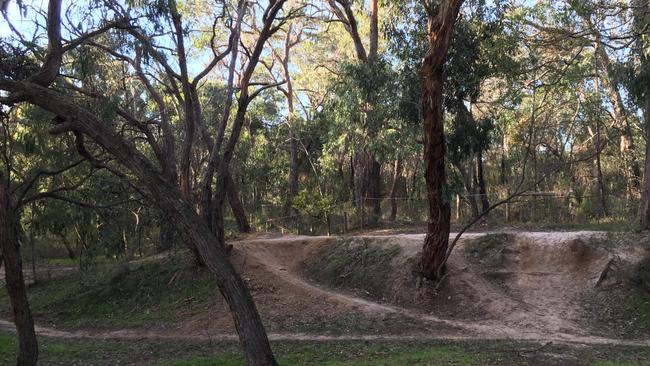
[{"x": 436, "y": 241}]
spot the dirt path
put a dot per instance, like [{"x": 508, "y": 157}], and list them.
[
  {"x": 264, "y": 252},
  {"x": 136, "y": 334},
  {"x": 278, "y": 260}
]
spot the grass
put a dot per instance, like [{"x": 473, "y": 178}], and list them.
[
  {"x": 146, "y": 292},
  {"x": 353, "y": 353},
  {"x": 353, "y": 263}
]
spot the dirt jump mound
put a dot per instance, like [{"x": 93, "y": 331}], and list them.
[{"x": 541, "y": 283}]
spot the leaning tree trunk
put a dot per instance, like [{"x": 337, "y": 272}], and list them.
[
  {"x": 440, "y": 26},
  {"x": 237, "y": 206},
  {"x": 166, "y": 195},
  {"x": 15, "y": 283}
]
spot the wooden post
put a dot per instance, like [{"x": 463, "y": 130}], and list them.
[
  {"x": 329, "y": 224},
  {"x": 457, "y": 207}
]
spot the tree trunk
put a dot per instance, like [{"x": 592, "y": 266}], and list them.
[
  {"x": 15, "y": 282},
  {"x": 374, "y": 29},
  {"x": 599, "y": 172},
  {"x": 437, "y": 238},
  {"x": 641, "y": 19},
  {"x": 237, "y": 206},
  {"x": 633, "y": 171},
  {"x": 434, "y": 250},
  {"x": 645, "y": 208},
  {"x": 293, "y": 141},
  {"x": 468, "y": 181},
  {"x": 351, "y": 184},
  {"x": 480, "y": 181},
  {"x": 293, "y": 170},
  {"x": 166, "y": 195},
  {"x": 393, "y": 189},
  {"x": 375, "y": 190},
  {"x": 367, "y": 182},
  {"x": 367, "y": 170},
  {"x": 167, "y": 235}
]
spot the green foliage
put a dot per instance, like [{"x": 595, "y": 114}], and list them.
[
  {"x": 363, "y": 108},
  {"x": 466, "y": 137},
  {"x": 307, "y": 202}
]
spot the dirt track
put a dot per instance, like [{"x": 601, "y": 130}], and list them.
[{"x": 278, "y": 260}]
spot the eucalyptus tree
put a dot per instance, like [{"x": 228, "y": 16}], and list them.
[
  {"x": 34, "y": 168},
  {"x": 639, "y": 86},
  {"x": 367, "y": 168},
  {"x": 594, "y": 18},
  {"x": 291, "y": 37},
  {"x": 146, "y": 152},
  {"x": 441, "y": 19}
]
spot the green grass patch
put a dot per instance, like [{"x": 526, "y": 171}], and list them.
[
  {"x": 351, "y": 353},
  {"x": 146, "y": 292},
  {"x": 353, "y": 263}
]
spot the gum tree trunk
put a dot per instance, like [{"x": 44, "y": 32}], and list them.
[
  {"x": 641, "y": 19},
  {"x": 367, "y": 170},
  {"x": 237, "y": 206},
  {"x": 397, "y": 176},
  {"x": 15, "y": 282},
  {"x": 440, "y": 26},
  {"x": 480, "y": 182},
  {"x": 645, "y": 202}
]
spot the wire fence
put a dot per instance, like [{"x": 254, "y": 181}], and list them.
[{"x": 547, "y": 209}]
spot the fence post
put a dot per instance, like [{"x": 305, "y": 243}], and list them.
[
  {"x": 457, "y": 207},
  {"x": 329, "y": 224}
]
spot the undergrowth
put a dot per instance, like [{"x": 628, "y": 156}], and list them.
[
  {"x": 353, "y": 263},
  {"x": 147, "y": 292}
]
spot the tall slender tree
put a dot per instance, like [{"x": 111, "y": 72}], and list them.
[{"x": 440, "y": 26}]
